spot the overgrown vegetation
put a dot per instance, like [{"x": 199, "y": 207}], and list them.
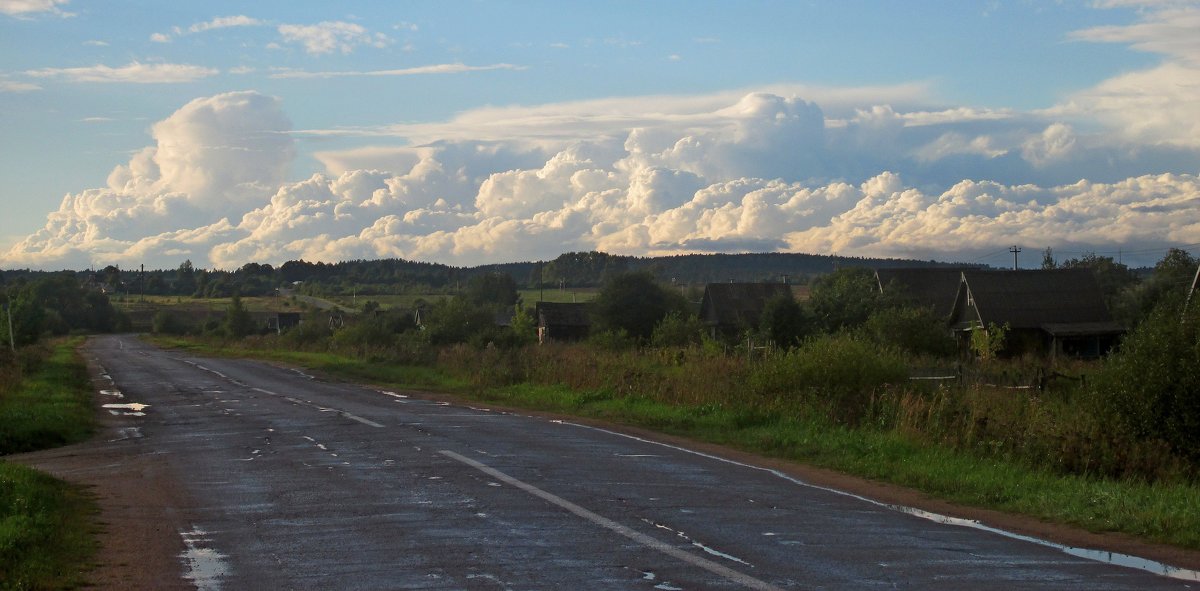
[{"x": 46, "y": 530}]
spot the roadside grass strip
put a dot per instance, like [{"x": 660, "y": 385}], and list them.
[
  {"x": 50, "y": 406},
  {"x": 47, "y": 531},
  {"x": 47, "y": 527}
]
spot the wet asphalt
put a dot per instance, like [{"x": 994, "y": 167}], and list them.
[{"x": 298, "y": 483}]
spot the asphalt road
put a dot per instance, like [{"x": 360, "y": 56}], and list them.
[{"x": 297, "y": 483}]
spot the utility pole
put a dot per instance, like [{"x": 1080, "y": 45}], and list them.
[
  {"x": 1015, "y": 249},
  {"x": 12, "y": 343}
]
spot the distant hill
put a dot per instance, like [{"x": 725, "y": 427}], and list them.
[
  {"x": 573, "y": 269},
  {"x": 585, "y": 269}
]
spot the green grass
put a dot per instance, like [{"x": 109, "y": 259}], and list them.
[
  {"x": 571, "y": 294},
  {"x": 47, "y": 530},
  {"x": 50, "y": 407}
]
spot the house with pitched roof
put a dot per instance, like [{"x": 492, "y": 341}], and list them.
[
  {"x": 1047, "y": 311},
  {"x": 730, "y": 308},
  {"x": 562, "y": 322},
  {"x": 926, "y": 287}
]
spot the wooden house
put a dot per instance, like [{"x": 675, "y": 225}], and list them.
[
  {"x": 1054, "y": 312},
  {"x": 926, "y": 287},
  {"x": 730, "y": 308},
  {"x": 562, "y": 322},
  {"x": 283, "y": 321}
]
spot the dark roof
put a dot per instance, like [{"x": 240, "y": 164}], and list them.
[
  {"x": 738, "y": 304},
  {"x": 1031, "y": 299},
  {"x": 562, "y": 314},
  {"x": 933, "y": 287}
]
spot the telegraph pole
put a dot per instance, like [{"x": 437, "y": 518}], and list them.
[
  {"x": 1015, "y": 249},
  {"x": 12, "y": 343}
]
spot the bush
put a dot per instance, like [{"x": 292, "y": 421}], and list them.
[
  {"x": 1149, "y": 387},
  {"x": 836, "y": 373},
  {"x": 678, "y": 330},
  {"x": 918, "y": 331},
  {"x": 165, "y": 322}
]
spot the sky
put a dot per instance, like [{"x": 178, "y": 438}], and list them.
[{"x": 473, "y": 132}]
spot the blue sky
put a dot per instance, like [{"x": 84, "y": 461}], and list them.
[{"x": 472, "y": 132}]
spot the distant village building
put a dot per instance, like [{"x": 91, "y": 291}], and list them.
[
  {"x": 926, "y": 287},
  {"x": 1053, "y": 311},
  {"x": 283, "y": 321},
  {"x": 730, "y": 308},
  {"x": 562, "y": 322}
]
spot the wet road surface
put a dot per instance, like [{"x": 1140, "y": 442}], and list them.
[{"x": 296, "y": 483}]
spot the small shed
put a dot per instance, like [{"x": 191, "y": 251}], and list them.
[
  {"x": 729, "y": 308},
  {"x": 1048, "y": 311},
  {"x": 562, "y": 322},
  {"x": 927, "y": 287},
  {"x": 283, "y": 321}
]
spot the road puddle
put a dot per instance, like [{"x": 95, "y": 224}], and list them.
[
  {"x": 131, "y": 409},
  {"x": 203, "y": 565}
]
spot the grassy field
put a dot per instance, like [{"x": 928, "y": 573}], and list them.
[
  {"x": 388, "y": 301},
  {"x": 1163, "y": 512},
  {"x": 133, "y": 304},
  {"x": 47, "y": 533},
  {"x": 568, "y": 295}
]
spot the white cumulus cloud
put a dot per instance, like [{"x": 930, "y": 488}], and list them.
[{"x": 332, "y": 36}]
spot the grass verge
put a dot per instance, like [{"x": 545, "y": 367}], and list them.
[
  {"x": 47, "y": 531},
  {"x": 1167, "y": 513}
]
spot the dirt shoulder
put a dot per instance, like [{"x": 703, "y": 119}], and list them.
[{"x": 143, "y": 507}]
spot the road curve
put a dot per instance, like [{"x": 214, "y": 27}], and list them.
[{"x": 291, "y": 482}]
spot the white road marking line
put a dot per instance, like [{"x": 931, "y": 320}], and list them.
[
  {"x": 343, "y": 413},
  {"x": 643, "y": 539}
]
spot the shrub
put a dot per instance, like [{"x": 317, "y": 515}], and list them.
[
  {"x": 1150, "y": 385},
  {"x": 918, "y": 331},
  {"x": 165, "y": 322},
  {"x": 836, "y": 373},
  {"x": 678, "y": 330}
]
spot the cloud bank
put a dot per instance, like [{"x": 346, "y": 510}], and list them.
[{"x": 764, "y": 173}]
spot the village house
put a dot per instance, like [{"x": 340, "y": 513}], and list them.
[
  {"x": 926, "y": 287},
  {"x": 562, "y": 322},
  {"x": 730, "y": 308},
  {"x": 1050, "y": 312}
]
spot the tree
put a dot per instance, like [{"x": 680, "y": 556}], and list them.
[
  {"x": 1048, "y": 259},
  {"x": 185, "y": 278},
  {"x": 784, "y": 321},
  {"x": 844, "y": 299},
  {"x": 238, "y": 322},
  {"x": 635, "y": 303},
  {"x": 1167, "y": 286},
  {"x": 1112, "y": 276},
  {"x": 496, "y": 290}
]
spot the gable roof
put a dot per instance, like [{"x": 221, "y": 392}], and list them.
[
  {"x": 738, "y": 304},
  {"x": 1033, "y": 298},
  {"x": 930, "y": 287},
  {"x": 562, "y": 314}
]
